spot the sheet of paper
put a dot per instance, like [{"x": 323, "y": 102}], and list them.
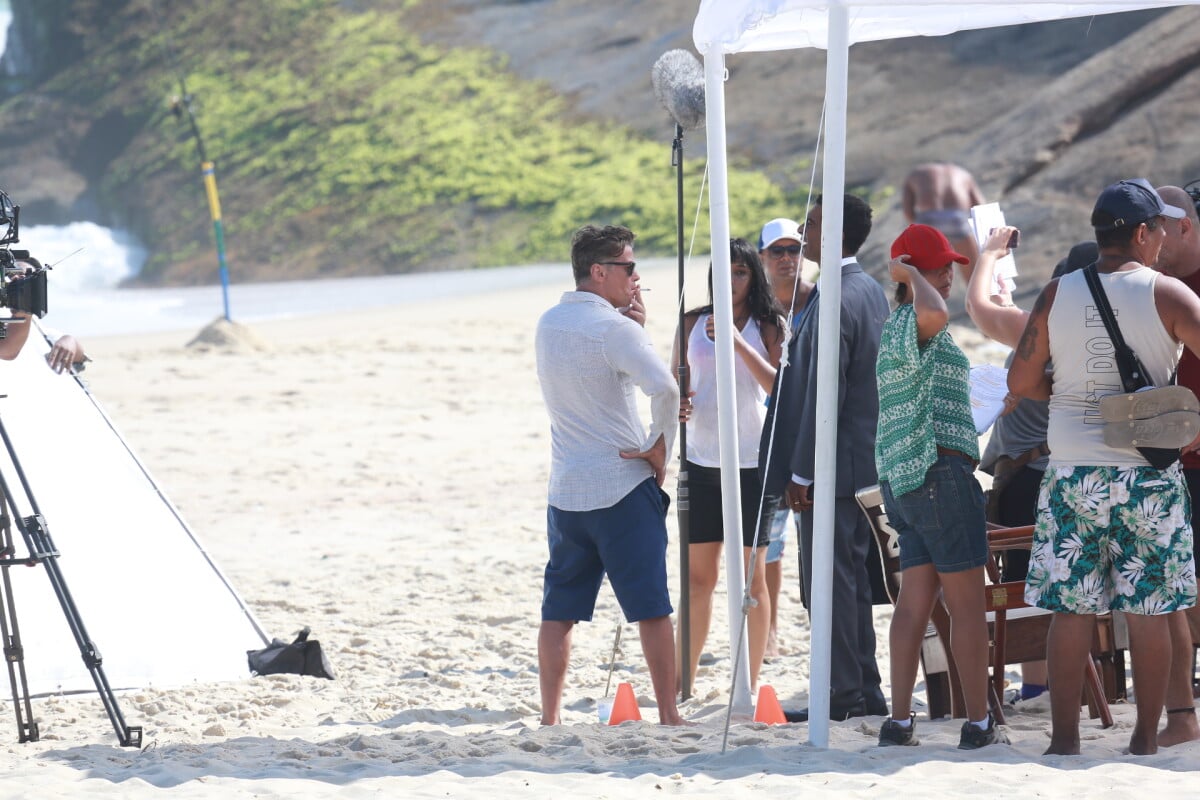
[
  {"x": 989, "y": 387},
  {"x": 983, "y": 219}
]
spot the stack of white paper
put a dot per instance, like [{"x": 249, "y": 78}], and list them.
[
  {"x": 989, "y": 387},
  {"x": 985, "y": 218}
]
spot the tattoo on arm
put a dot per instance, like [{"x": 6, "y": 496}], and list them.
[
  {"x": 1029, "y": 338},
  {"x": 1028, "y": 341}
]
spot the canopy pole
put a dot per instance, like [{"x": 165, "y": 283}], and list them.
[
  {"x": 731, "y": 504},
  {"x": 828, "y": 356}
]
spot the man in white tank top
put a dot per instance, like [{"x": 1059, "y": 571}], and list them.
[{"x": 1112, "y": 532}]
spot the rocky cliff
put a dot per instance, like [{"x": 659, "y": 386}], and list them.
[
  {"x": 1044, "y": 114},
  {"x": 376, "y": 136}
]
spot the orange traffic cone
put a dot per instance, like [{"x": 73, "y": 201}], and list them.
[
  {"x": 625, "y": 706},
  {"x": 768, "y": 709}
]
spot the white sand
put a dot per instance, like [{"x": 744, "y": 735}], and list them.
[{"x": 381, "y": 477}]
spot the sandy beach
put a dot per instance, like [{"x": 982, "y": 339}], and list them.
[{"x": 380, "y": 476}]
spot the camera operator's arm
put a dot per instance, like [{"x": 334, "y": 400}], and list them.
[
  {"x": 16, "y": 330},
  {"x": 67, "y": 351}
]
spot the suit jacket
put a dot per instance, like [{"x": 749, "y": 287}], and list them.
[{"x": 794, "y": 400}]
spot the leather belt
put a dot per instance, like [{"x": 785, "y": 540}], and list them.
[{"x": 946, "y": 451}]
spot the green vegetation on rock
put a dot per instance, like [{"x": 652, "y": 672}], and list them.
[{"x": 344, "y": 145}]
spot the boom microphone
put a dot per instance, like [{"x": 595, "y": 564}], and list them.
[{"x": 678, "y": 81}]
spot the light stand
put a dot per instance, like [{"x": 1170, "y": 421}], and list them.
[
  {"x": 179, "y": 107},
  {"x": 36, "y": 536}
]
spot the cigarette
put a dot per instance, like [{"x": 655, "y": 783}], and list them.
[{"x": 643, "y": 288}]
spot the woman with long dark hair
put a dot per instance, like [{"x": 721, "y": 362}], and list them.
[{"x": 758, "y": 342}]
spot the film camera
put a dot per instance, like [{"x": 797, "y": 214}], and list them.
[{"x": 22, "y": 285}]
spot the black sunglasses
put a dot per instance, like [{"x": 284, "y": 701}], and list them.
[
  {"x": 629, "y": 266},
  {"x": 778, "y": 250}
]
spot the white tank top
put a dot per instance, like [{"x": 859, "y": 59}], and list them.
[
  {"x": 1084, "y": 367},
  {"x": 703, "y": 447}
]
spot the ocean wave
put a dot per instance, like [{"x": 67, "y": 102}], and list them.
[{"x": 85, "y": 256}]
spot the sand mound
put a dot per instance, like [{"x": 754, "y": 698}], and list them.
[{"x": 223, "y": 334}]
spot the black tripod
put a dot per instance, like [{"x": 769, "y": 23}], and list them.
[{"x": 40, "y": 547}]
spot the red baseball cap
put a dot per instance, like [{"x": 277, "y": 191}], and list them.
[{"x": 927, "y": 248}]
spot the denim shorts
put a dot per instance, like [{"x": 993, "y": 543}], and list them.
[
  {"x": 628, "y": 541},
  {"x": 944, "y": 521},
  {"x": 780, "y": 514}
]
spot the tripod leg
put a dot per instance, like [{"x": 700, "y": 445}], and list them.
[
  {"x": 14, "y": 652},
  {"x": 41, "y": 549},
  {"x": 37, "y": 536}
]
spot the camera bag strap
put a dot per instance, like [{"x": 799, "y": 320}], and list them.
[{"x": 1133, "y": 374}]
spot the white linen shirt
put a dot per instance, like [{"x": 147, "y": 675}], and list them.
[{"x": 589, "y": 358}]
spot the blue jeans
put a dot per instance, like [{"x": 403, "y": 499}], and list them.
[
  {"x": 778, "y": 532},
  {"x": 943, "y": 522}
]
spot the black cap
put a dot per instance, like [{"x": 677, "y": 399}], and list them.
[{"x": 1130, "y": 202}]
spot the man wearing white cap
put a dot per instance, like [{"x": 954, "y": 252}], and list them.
[{"x": 779, "y": 246}]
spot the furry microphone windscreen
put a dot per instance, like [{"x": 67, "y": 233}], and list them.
[{"x": 678, "y": 81}]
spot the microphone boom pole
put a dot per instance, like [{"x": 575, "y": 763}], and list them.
[
  {"x": 678, "y": 82},
  {"x": 681, "y": 494}
]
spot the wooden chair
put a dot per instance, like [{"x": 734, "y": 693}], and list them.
[{"x": 1017, "y": 632}]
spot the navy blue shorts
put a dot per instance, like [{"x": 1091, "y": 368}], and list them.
[
  {"x": 628, "y": 541},
  {"x": 944, "y": 521}
]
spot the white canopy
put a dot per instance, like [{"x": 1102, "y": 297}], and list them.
[
  {"x": 733, "y": 26},
  {"x": 737, "y": 26}
]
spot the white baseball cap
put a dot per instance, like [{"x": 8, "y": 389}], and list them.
[{"x": 777, "y": 229}]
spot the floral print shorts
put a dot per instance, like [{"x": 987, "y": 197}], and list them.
[{"x": 1112, "y": 538}]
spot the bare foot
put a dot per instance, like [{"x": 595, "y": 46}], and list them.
[
  {"x": 772, "y": 650},
  {"x": 673, "y": 720},
  {"x": 1065, "y": 747},
  {"x": 1140, "y": 745},
  {"x": 1181, "y": 727}
]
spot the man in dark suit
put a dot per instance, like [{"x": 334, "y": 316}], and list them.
[{"x": 855, "y": 674}]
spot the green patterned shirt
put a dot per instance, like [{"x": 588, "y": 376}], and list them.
[{"x": 924, "y": 402}]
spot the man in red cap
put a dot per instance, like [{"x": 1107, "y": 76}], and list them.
[{"x": 926, "y": 453}]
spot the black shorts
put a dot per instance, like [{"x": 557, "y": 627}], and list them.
[
  {"x": 704, "y": 496},
  {"x": 1018, "y": 506}
]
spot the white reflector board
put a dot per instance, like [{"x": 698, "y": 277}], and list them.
[{"x": 157, "y": 608}]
